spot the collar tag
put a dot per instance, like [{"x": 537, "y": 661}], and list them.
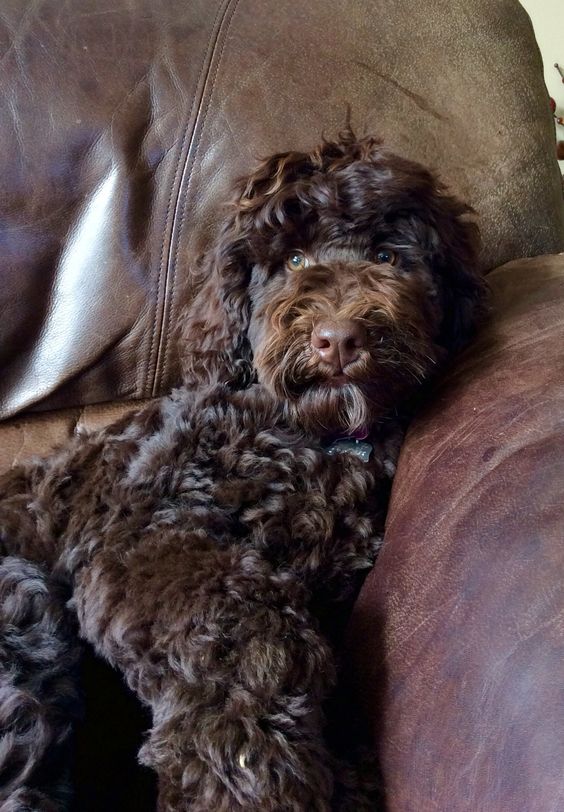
[{"x": 359, "y": 448}]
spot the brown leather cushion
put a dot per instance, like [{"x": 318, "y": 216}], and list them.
[
  {"x": 458, "y": 635},
  {"x": 123, "y": 123},
  {"x": 32, "y": 435}
]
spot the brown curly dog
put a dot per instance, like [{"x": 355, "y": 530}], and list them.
[{"x": 196, "y": 537}]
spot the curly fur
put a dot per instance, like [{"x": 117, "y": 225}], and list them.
[
  {"x": 38, "y": 692},
  {"x": 200, "y": 536}
]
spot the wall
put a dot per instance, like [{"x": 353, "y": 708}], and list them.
[{"x": 547, "y": 17}]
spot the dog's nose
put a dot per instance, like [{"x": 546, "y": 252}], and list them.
[{"x": 338, "y": 342}]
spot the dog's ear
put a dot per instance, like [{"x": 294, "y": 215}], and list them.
[
  {"x": 454, "y": 247},
  {"x": 213, "y": 330}
]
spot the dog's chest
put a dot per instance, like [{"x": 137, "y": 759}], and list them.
[{"x": 240, "y": 476}]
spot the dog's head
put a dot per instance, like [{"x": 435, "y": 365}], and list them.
[{"x": 339, "y": 280}]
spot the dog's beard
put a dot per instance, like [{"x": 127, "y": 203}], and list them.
[
  {"x": 327, "y": 410},
  {"x": 312, "y": 401},
  {"x": 384, "y": 373}
]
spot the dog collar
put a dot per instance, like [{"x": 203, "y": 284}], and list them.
[{"x": 350, "y": 445}]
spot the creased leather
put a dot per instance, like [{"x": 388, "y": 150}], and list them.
[{"x": 95, "y": 104}]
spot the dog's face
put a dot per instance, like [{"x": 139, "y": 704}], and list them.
[{"x": 340, "y": 280}]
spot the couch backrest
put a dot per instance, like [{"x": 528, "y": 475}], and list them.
[{"x": 123, "y": 123}]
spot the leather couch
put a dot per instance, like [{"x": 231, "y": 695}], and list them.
[{"x": 122, "y": 124}]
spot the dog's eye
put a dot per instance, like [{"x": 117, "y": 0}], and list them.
[
  {"x": 386, "y": 257},
  {"x": 297, "y": 261}
]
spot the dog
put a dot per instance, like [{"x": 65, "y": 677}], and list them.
[{"x": 193, "y": 542}]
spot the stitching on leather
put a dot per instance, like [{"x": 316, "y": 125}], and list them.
[
  {"x": 185, "y": 187},
  {"x": 160, "y": 306}
]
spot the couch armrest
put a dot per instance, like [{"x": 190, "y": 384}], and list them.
[{"x": 458, "y": 634}]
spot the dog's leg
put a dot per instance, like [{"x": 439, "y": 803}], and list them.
[
  {"x": 38, "y": 694},
  {"x": 225, "y": 653},
  {"x": 38, "y": 650}
]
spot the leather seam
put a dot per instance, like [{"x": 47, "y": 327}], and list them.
[
  {"x": 151, "y": 368},
  {"x": 185, "y": 184}
]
